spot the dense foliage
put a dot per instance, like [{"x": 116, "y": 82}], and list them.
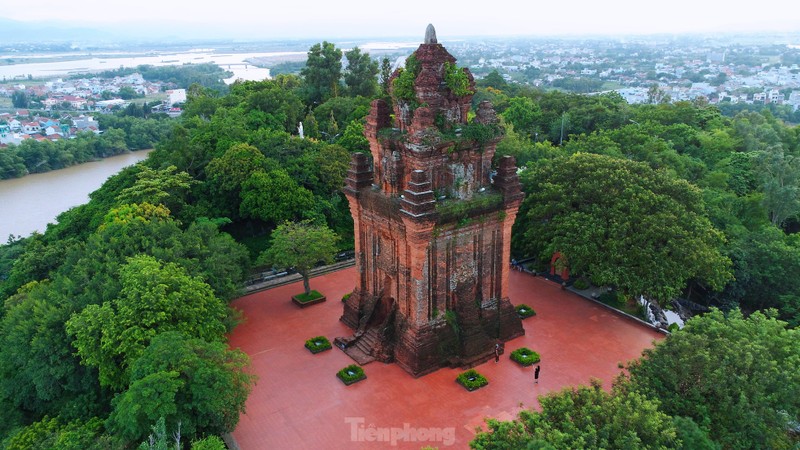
[
  {"x": 741, "y": 174},
  {"x": 584, "y": 417},
  {"x": 736, "y": 377},
  {"x": 120, "y": 134},
  {"x": 627, "y": 225}
]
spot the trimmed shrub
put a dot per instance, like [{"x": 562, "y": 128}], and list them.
[
  {"x": 318, "y": 344},
  {"x": 351, "y": 374},
  {"x": 525, "y": 356},
  {"x": 472, "y": 380},
  {"x": 524, "y": 311}
]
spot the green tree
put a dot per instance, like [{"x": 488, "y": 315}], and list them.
[
  {"x": 209, "y": 443},
  {"x": 127, "y": 93},
  {"x": 493, "y": 80},
  {"x": 166, "y": 187},
  {"x": 275, "y": 197},
  {"x": 523, "y": 114},
  {"x": 155, "y": 297},
  {"x": 301, "y": 245},
  {"x": 736, "y": 377},
  {"x": 200, "y": 102},
  {"x": 359, "y": 76},
  {"x": 333, "y": 162},
  {"x": 584, "y": 417},
  {"x": 19, "y": 99},
  {"x": 228, "y": 173},
  {"x": 193, "y": 384},
  {"x": 763, "y": 261},
  {"x": 39, "y": 373},
  {"x": 52, "y": 433},
  {"x": 322, "y": 72},
  {"x": 353, "y": 137},
  {"x": 386, "y": 73},
  {"x": 622, "y": 223},
  {"x": 781, "y": 183}
]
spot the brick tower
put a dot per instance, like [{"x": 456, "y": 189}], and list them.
[{"x": 432, "y": 224}]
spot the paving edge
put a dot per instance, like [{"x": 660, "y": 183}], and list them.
[{"x": 610, "y": 308}]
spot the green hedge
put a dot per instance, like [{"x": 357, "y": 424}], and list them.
[
  {"x": 351, "y": 374},
  {"x": 525, "y": 356},
  {"x": 524, "y": 311},
  {"x": 318, "y": 344},
  {"x": 313, "y": 295},
  {"x": 472, "y": 380}
]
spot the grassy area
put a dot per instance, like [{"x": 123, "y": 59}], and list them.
[{"x": 313, "y": 295}]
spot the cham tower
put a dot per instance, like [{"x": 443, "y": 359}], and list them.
[{"x": 432, "y": 223}]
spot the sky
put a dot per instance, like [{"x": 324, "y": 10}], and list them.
[{"x": 408, "y": 18}]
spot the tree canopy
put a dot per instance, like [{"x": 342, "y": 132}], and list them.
[
  {"x": 360, "y": 74},
  {"x": 301, "y": 245},
  {"x": 736, "y": 377},
  {"x": 584, "y": 417},
  {"x": 322, "y": 72},
  {"x": 622, "y": 224}
]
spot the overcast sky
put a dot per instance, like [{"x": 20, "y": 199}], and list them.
[{"x": 350, "y": 18}]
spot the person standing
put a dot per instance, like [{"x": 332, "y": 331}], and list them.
[
  {"x": 496, "y": 353},
  {"x": 536, "y": 374}
]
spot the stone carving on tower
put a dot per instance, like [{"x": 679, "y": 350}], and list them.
[{"x": 432, "y": 223}]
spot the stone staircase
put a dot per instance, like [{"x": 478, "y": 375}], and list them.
[{"x": 361, "y": 350}]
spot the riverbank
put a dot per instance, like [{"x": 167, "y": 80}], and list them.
[{"x": 33, "y": 201}]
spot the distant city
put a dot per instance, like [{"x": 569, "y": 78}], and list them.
[{"x": 725, "y": 70}]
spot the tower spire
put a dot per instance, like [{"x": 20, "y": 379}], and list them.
[{"x": 430, "y": 35}]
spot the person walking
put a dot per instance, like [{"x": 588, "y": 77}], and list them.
[
  {"x": 536, "y": 374},
  {"x": 496, "y": 353}
]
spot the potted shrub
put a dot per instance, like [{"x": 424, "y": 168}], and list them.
[
  {"x": 472, "y": 380},
  {"x": 351, "y": 374},
  {"x": 525, "y": 356},
  {"x": 318, "y": 344},
  {"x": 524, "y": 311}
]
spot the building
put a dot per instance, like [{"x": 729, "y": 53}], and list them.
[
  {"x": 432, "y": 226},
  {"x": 176, "y": 96},
  {"x": 794, "y": 100}
]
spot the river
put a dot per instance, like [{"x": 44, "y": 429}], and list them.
[
  {"x": 29, "y": 203},
  {"x": 234, "y": 62}
]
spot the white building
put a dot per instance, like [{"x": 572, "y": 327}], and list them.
[{"x": 176, "y": 96}]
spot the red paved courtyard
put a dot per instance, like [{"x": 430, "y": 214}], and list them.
[{"x": 298, "y": 403}]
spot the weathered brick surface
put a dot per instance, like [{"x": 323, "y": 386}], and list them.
[{"x": 433, "y": 282}]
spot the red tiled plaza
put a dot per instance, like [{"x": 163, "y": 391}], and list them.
[{"x": 299, "y": 403}]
